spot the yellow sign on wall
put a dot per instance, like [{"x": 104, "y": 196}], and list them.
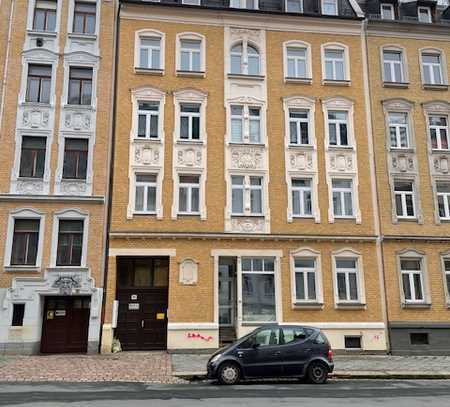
[{"x": 160, "y": 315}]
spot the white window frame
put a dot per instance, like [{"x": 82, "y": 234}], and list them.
[
  {"x": 301, "y": 191},
  {"x": 345, "y": 52},
  {"x": 191, "y": 2},
  {"x": 69, "y": 214},
  {"x": 397, "y": 131},
  {"x": 438, "y": 128},
  {"x": 445, "y": 257},
  {"x": 244, "y": 58},
  {"x": 403, "y": 195},
  {"x": 24, "y": 213},
  {"x": 247, "y": 188},
  {"x": 442, "y": 66},
  {"x": 337, "y": 123},
  {"x": 341, "y": 192},
  {"x": 286, "y": 7},
  {"x": 335, "y": 4},
  {"x": 392, "y": 64},
  {"x": 391, "y": 8},
  {"x": 404, "y": 64},
  {"x": 428, "y": 11},
  {"x": 243, "y": 4},
  {"x": 193, "y": 37},
  {"x": 399, "y": 105},
  {"x": 30, "y": 18},
  {"x": 148, "y": 116},
  {"x": 146, "y": 185},
  {"x": 189, "y": 187},
  {"x": 137, "y": 47},
  {"x": 445, "y": 196},
  {"x": 411, "y": 254},
  {"x": 246, "y": 119},
  {"x": 350, "y": 254},
  {"x": 190, "y": 116},
  {"x": 308, "y": 61},
  {"x": 72, "y": 15}
]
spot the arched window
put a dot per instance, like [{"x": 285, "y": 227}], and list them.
[{"x": 244, "y": 59}]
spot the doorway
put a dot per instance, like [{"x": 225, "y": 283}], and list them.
[
  {"x": 142, "y": 292},
  {"x": 65, "y": 324},
  {"x": 227, "y": 299}
]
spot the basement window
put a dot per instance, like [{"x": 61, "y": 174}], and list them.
[
  {"x": 18, "y": 313},
  {"x": 419, "y": 338},
  {"x": 352, "y": 342}
]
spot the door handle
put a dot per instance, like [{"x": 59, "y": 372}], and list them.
[
  {"x": 308, "y": 350},
  {"x": 142, "y": 323},
  {"x": 240, "y": 354},
  {"x": 277, "y": 353}
]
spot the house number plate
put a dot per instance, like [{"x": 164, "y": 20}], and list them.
[{"x": 133, "y": 306}]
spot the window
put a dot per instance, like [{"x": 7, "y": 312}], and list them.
[
  {"x": 241, "y": 53},
  {"x": 25, "y": 242},
  {"x": 150, "y": 53},
  {"x": 334, "y": 64},
  {"x": 294, "y": 6},
  {"x": 432, "y": 69},
  {"x": 412, "y": 280},
  {"x": 347, "y": 280},
  {"x": 393, "y": 66},
  {"x": 443, "y": 199},
  {"x": 419, "y": 338},
  {"x": 80, "y": 86},
  {"x": 32, "y": 157},
  {"x": 18, "y": 314},
  {"x": 189, "y": 194},
  {"x": 39, "y": 83},
  {"x": 44, "y": 15},
  {"x": 84, "y": 17},
  {"x": 387, "y": 11},
  {"x": 192, "y": 2},
  {"x": 305, "y": 279},
  {"x": 342, "y": 197},
  {"x": 148, "y": 119},
  {"x": 295, "y": 334},
  {"x": 398, "y": 130},
  {"x": 145, "y": 196},
  {"x": 190, "y": 121},
  {"x": 258, "y": 289},
  {"x": 404, "y": 199},
  {"x": 248, "y": 4},
  {"x": 447, "y": 276},
  {"x": 424, "y": 14},
  {"x": 301, "y": 197},
  {"x": 438, "y": 132},
  {"x": 298, "y": 127},
  {"x": 239, "y": 191},
  {"x": 352, "y": 342},
  {"x": 70, "y": 242},
  {"x": 190, "y": 55},
  {"x": 338, "y": 128},
  {"x": 238, "y": 124},
  {"x": 75, "y": 158},
  {"x": 297, "y": 62},
  {"x": 330, "y": 7}
]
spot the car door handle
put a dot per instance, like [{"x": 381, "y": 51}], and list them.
[
  {"x": 240, "y": 354},
  {"x": 277, "y": 353},
  {"x": 308, "y": 350}
]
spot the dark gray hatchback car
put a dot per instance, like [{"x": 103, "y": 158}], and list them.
[{"x": 274, "y": 351}]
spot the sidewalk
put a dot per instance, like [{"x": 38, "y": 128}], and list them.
[{"x": 348, "y": 366}]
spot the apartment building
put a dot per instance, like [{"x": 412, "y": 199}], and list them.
[
  {"x": 56, "y": 64},
  {"x": 408, "y": 49},
  {"x": 243, "y": 191}
]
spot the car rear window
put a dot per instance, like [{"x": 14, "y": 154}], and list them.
[{"x": 295, "y": 334}]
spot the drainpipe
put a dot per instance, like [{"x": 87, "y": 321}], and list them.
[
  {"x": 111, "y": 154},
  {"x": 373, "y": 171},
  {"x": 5, "y": 68}
]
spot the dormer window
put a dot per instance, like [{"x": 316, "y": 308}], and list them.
[
  {"x": 330, "y": 7},
  {"x": 387, "y": 11},
  {"x": 247, "y": 4},
  {"x": 424, "y": 14},
  {"x": 294, "y": 6}
]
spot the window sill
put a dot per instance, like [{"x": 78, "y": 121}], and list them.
[
  {"x": 401, "y": 150},
  {"x": 181, "y": 214},
  {"x": 235, "y": 143},
  {"x": 401, "y": 85},
  {"x": 416, "y": 305},
  {"x": 37, "y": 33},
  {"x": 78, "y": 180},
  {"x": 440, "y": 151},
  {"x": 307, "y": 305},
  {"x": 333, "y": 82},
  {"x": 31, "y": 179},
  {"x": 350, "y": 305},
  {"x": 148, "y": 71},
  {"x": 193, "y": 142},
  {"x": 67, "y": 268},
  {"x": 78, "y": 107},
  {"x": 152, "y": 214},
  {"x": 243, "y": 216},
  {"x": 22, "y": 269},
  {"x": 36, "y": 104},
  {"x": 82, "y": 36},
  {"x": 347, "y": 148},
  {"x": 430, "y": 86},
  {"x": 301, "y": 146},
  {"x": 303, "y": 81},
  {"x": 411, "y": 220},
  {"x": 344, "y": 218},
  {"x": 301, "y": 217},
  {"x": 244, "y": 76},
  {"x": 191, "y": 74},
  {"x": 146, "y": 140}
]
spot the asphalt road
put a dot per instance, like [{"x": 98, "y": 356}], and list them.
[{"x": 370, "y": 393}]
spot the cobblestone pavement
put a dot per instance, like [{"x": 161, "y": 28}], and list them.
[
  {"x": 196, "y": 364},
  {"x": 147, "y": 367}
]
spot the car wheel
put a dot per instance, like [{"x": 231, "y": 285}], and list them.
[
  {"x": 317, "y": 373},
  {"x": 229, "y": 373}
]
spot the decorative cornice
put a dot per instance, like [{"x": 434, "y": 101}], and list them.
[{"x": 51, "y": 198}]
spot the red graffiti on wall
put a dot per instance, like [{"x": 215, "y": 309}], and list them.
[{"x": 196, "y": 335}]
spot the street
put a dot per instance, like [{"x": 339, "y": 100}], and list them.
[{"x": 398, "y": 393}]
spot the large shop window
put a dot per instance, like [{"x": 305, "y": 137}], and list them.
[
  {"x": 80, "y": 86},
  {"x": 412, "y": 280},
  {"x": 75, "y": 158},
  {"x": 32, "y": 157},
  {"x": 39, "y": 83},
  {"x": 70, "y": 242},
  {"x": 84, "y": 17},
  {"x": 258, "y": 290},
  {"x": 45, "y": 15},
  {"x": 25, "y": 242}
]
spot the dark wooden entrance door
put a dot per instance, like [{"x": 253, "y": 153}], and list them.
[
  {"x": 142, "y": 293},
  {"x": 65, "y": 324}
]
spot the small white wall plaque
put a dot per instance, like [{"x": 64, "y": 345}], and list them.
[{"x": 188, "y": 272}]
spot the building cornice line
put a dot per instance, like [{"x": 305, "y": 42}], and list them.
[{"x": 51, "y": 198}]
